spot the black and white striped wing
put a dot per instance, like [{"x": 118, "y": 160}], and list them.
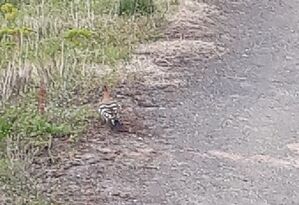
[{"x": 109, "y": 111}]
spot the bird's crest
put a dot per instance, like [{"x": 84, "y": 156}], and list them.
[
  {"x": 106, "y": 93},
  {"x": 105, "y": 88}
]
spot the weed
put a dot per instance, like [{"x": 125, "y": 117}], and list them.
[
  {"x": 79, "y": 37},
  {"x": 131, "y": 7},
  {"x": 9, "y": 12}
]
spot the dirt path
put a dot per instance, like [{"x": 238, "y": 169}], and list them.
[
  {"x": 224, "y": 122},
  {"x": 234, "y": 137}
]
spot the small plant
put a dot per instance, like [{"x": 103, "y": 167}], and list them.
[
  {"x": 15, "y": 32},
  {"x": 78, "y": 37},
  {"x": 31, "y": 122},
  {"x": 5, "y": 128},
  {"x": 27, "y": 123},
  {"x": 9, "y": 11},
  {"x": 131, "y": 7},
  {"x": 49, "y": 48}
]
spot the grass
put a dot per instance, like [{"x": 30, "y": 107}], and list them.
[
  {"x": 74, "y": 47},
  {"x": 19, "y": 186},
  {"x": 65, "y": 39}
]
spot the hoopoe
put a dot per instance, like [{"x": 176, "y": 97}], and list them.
[{"x": 109, "y": 110}]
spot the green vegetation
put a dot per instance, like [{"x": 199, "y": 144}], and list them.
[
  {"x": 24, "y": 121},
  {"x": 66, "y": 44},
  {"x": 73, "y": 46},
  {"x": 131, "y": 7}
]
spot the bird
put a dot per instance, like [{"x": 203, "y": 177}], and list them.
[{"x": 109, "y": 110}]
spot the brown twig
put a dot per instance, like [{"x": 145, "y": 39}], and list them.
[{"x": 42, "y": 97}]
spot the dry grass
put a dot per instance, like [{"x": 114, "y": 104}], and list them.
[
  {"x": 187, "y": 41},
  {"x": 66, "y": 41}
]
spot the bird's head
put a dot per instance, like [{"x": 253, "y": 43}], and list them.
[
  {"x": 105, "y": 88},
  {"x": 106, "y": 93}
]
